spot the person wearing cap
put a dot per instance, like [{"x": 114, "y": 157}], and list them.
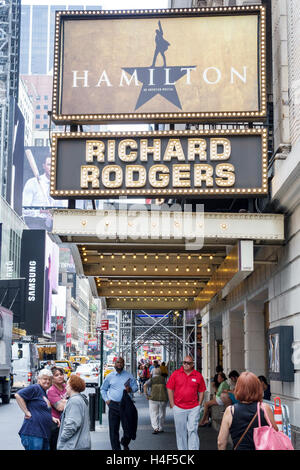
[
  {"x": 186, "y": 389},
  {"x": 35, "y": 432},
  {"x": 158, "y": 399}
]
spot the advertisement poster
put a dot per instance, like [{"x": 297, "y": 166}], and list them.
[
  {"x": 16, "y": 181},
  {"x": 157, "y": 66},
  {"x": 36, "y": 199},
  {"x": 51, "y": 280}
]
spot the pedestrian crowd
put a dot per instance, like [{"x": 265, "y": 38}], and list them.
[{"x": 56, "y": 413}]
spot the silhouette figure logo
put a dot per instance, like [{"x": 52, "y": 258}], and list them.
[{"x": 159, "y": 80}]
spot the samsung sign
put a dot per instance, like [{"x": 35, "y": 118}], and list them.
[
  {"x": 32, "y": 269},
  {"x": 193, "y": 163},
  {"x": 31, "y": 295},
  {"x": 38, "y": 267}
]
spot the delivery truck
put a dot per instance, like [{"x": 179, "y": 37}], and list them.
[{"x": 25, "y": 364}]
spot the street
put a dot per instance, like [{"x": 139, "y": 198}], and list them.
[{"x": 11, "y": 418}]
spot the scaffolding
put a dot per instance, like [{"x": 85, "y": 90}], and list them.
[
  {"x": 10, "y": 14},
  {"x": 173, "y": 330}
]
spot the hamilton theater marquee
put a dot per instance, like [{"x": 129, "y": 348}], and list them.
[
  {"x": 228, "y": 162},
  {"x": 173, "y": 65}
]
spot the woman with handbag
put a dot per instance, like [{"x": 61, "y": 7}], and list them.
[{"x": 240, "y": 419}]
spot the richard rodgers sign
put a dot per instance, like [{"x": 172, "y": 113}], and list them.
[
  {"x": 229, "y": 162},
  {"x": 160, "y": 65}
]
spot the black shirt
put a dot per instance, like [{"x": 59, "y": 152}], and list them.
[
  {"x": 242, "y": 415},
  {"x": 267, "y": 394}
]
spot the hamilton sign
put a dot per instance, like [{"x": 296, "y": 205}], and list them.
[
  {"x": 160, "y": 65},
  {"x": 227, "y": 162}
]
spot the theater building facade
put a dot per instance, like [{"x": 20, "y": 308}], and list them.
[{"x": 234, "y": 151}]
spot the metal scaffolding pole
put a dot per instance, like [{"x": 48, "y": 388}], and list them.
[
  {"x": 174, "y": 331},
  {"x": 195, "y": 343},
  {"x": 10, "y": 15},
  {"x": 184, "y": 350}
]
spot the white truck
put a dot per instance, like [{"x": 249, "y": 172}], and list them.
[
  {"x": 6, "y": 323},
  {"x": 25, "y": 363}
]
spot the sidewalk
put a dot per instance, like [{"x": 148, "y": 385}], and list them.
[{"x": 145, "y": 440}]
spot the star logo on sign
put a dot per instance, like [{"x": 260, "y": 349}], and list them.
[{"x": 159, "y": 80}]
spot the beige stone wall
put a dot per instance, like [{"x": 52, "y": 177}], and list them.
[
  {"x": 293, "y": 12},
  {"x": 280, "y": 74}
]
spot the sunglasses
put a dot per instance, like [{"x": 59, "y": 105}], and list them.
[{"x": 187, "y": 363}]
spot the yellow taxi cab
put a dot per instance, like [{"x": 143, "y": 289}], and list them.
[
  {"x": 108, "y": 370},
  {"x": 66, "y": 365},
  {"x": 79, "y": 359}
]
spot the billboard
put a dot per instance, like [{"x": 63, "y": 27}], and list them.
[
  {"x": 36, "y": 199},
  {"x": 15, "y": 182},
  {"x": 39, "y": 266},
  {"x": 169, "y": 65},
  {"x": 193, "y": 163},
  {"x": 281, "y": 364}
]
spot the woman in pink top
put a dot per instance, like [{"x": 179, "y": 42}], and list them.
[{"x": 58, "y": 399}]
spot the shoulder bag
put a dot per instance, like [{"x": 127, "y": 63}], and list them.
[
  {"x": 266, "y": 438},
  {"x": 247, "y": 429}
]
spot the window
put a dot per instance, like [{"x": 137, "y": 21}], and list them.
[
  {"x": 37, "y": 116},
  {"x": 39, "y": 142},
  {"x": 46, "y": 97},
  {"x": 45, "y": 106},
  {"x": 38, "y": 106},
  {"x": 45, "y": 126},
  {"x": 37, "y": 126}
]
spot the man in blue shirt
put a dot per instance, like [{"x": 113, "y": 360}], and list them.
[{"x": 112, "y": 392}]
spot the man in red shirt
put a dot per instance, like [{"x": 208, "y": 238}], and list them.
[{"x": 186, "y": 389}]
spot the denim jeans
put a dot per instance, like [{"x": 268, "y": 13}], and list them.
[{"x": 34, "y": 443}]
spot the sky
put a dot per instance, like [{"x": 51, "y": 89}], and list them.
[
  {"x": 132, "y": 4},
  {"x": 106, "y": 4}
]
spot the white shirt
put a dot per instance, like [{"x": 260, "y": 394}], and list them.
[{"x": 36, "y": 193}]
